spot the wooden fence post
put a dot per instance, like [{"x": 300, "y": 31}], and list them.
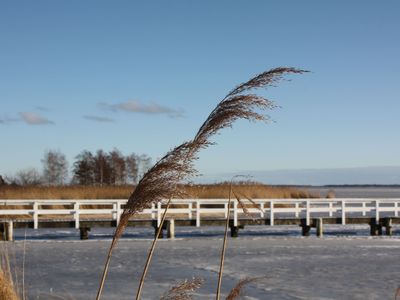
[
  {"x": 343, "y": 212},
  {"x": 235, "y": 213},
  {"x": 35, "y": 215},
  {"x": 190, "y": 208},
  {"x": 271, "y": 213},
  {"x": 76, "y": 214},
  {"x": 158, "y": 214},
  {"x": 319, "y": 227},
  {"x": 9, "y": 232},
  {"x": 171, "y": 229},
  {"x": 198, "y": 213},
  {"x": 377, "y": 211},
  {"x": 262, "y": 210}
]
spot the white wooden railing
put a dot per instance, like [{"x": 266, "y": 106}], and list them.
[{"x": 195, "y": 209}]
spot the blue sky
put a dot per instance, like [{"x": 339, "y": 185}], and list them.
[{"x": 142, "y": 77}]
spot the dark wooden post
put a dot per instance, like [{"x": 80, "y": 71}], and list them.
[
  {"x": 234, "y": 231},
  {"x": 84, "y": 232},
  {"x": 2, "y": 232},
  {"x": 375, "y": 227},
  {"x": 161, "y": 235},
  {"x": 9, "y": 234},
  {"x": 6, "y": 231},
  {"x": 305, "y": 229},
  {"x": 388, "y": 226}
]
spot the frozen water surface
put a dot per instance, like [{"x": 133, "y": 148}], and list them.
[{"x": 345, "y": 264}]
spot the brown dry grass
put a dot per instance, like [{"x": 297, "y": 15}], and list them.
[
  {"x": 7, "y": 291},
  {"x": 201, "y": 191},
  {"x": 7, "y": 286},
  {"x": 65, "y": 192},
  {"x": 251, "y": 190}
]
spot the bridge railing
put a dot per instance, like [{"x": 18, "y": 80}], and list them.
[{"x": 196, "y": 209}]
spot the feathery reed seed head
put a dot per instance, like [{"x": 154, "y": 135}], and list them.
[
  {"x": 163, "y": 179},
  {"x": 238, "y": 288},
  {"x": 182, "y": 290}
]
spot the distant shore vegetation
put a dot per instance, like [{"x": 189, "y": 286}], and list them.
[
  {"x": 88, "y": 169},
  {"x": 198, "y": 191}
]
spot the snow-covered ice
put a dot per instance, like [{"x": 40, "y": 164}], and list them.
[{"x": 342, "y": 265}]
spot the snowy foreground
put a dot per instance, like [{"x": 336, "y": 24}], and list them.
[{"x": 342, "y": 265}]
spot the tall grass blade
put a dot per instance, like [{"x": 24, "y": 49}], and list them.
[
  {"x": 222, "y": 260},
  {"x": 151, "y": 251}
]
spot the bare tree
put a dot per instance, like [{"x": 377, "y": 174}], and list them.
[
  {"x": 144, "y": 164},
  {"x": 132, "y": 168},
  {"x": 118, "y": 167},
  {"x": 55, "y": 168},
  {"x": 102, "y": 168},
  {"x": 28, "y": 176}
]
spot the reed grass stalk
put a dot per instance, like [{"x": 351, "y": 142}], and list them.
[
  {"x": 222, "y": 259},
  {"x": 151, "y": 251}
]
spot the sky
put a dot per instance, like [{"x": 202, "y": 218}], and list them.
[{"x": 143, "y": 76}]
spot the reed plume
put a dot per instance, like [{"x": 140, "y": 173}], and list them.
[
  {"x": 237, "y": 290},
  {"x": 163, "y": 179},
  {"x": 183, "y": 289}
]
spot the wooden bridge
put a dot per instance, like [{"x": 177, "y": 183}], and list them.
[{"x": 307, "y": 213}]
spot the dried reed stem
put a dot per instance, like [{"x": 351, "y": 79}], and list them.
[
  {"x": 221, "y": 265},
  {"x": 23, "y": 268},
  {"x": 151, "y": 251},
  {"x": 104, "y": 274}
]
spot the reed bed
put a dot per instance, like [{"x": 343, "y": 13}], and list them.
[
  {"x": 65, "y": 192},
  {"x": 200, "y": 191},
  {"x": 252, "y": 190}
]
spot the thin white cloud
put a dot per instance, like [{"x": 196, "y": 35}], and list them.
[
  {"x": 137, "y": 107},
  {"x": 98, "y": 119},
  {"x": 34, "y": 119},
  {"x": 7, "y": 120},
  {"x": 42, "y": 108}
]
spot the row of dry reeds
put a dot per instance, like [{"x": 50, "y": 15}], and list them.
[
  {"x": 65, "y": 192},
  {"x": 200, "y": 191}
]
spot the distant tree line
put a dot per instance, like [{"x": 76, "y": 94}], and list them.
[{"x": 99, "y": 168}]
